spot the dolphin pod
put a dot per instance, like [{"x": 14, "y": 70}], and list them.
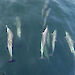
[{"x": 45, "y": 42}]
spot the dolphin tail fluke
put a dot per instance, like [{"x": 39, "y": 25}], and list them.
[
  {"x": 42, "y": 57},
  {"x": 11, "y": 60}
]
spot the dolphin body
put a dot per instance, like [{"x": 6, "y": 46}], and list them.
[
  {"x": 48, "y": 39},
  {"x": 46, "y": 16},
  {"x": 43, "y": 40},
  {"x": 45, "y": 6},
  {"x": 46, "y": 52},
  {"x": 53, "y": 40},
  {"x": 70, "y": 42},
  {"x": 18, "y": 26},
  {"x": 9, "y": 42}
]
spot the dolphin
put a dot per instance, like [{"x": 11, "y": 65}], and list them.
[
  {"x": 43, "y": 40},
  {"x": 70, "y": 42},
  {"x": 45, "y": 6},
  {"x": 53, "y": 40},
  {"x": 48, "y": 11},
  {"x": 18, "y": 26},
  {"x": 9, "y": 42},
  {"x": 46, "y": 15}
]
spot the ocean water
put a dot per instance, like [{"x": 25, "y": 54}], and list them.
[{"x": 26, "y": 50}]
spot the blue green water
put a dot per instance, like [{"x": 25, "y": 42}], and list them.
[{"x": 26, "y": 50}]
